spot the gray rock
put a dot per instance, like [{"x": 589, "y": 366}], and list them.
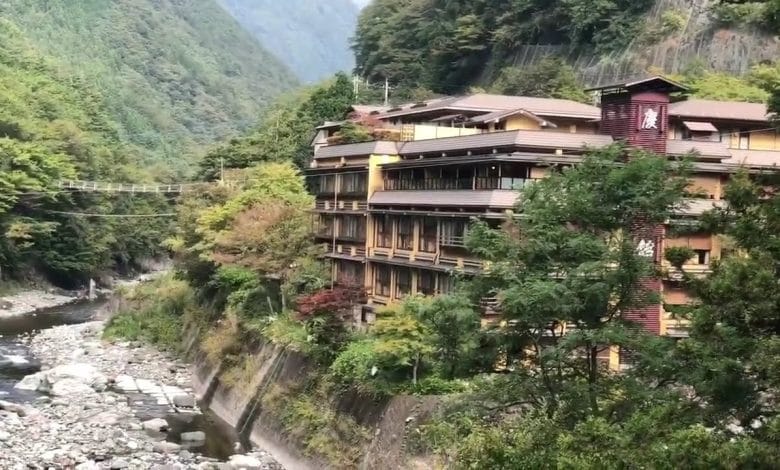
[
  {"x": 195, "y": 436},
  {"x": 165, "y": 447},
  {"x": 19, "y": 410},
  {"x": 245, "y": 462},
  {"x": 4, "y": 436},
  {"x": 156, "y": 424},
  {"x": 119, "y": 463},
  {"x": 88, "y": 465},
  {"x": 70, "y": 387},
  {"x": 31, "y": 382},
  {"x": 184, "y": 401}
]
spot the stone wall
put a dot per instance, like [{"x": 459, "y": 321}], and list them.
[{"x": 241, "y": 408}]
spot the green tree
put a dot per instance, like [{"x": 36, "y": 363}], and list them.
[
  {"x": 549, "y": 78},
  {"x": 572, "y": 259}
]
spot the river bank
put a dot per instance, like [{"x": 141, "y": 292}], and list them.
[{"x": 101, "y": 406}]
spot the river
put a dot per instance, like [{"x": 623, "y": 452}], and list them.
[{"x": 17, "y": 360}]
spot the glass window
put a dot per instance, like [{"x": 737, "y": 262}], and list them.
[
  {"x": 382, "y": 280},
  {"x": 354, "y": 183},
  {"x": 446, "y": 284},
  {"x": 428, "y": 233},
  {"x": 353, "y": 227},
  {"x": 405, "y": 237},
  {"x": 350, "y": 274},
  {"x": 384, "y": 231},
  {"x": 453, "y": 232},
  {"x": 403, "y": 282},
  {"x": 426, "y": 282},
  {"x": 702, "y": 256},
  {"x": 744, "y": 139},
  {"x": 328, "y": 184}
]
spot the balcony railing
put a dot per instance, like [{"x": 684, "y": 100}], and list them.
[
  {"x": 438, "y": 184},
  {"x": 456, "y": 241}
]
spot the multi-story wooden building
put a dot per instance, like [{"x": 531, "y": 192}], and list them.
[{"x": 394, "y": 213}]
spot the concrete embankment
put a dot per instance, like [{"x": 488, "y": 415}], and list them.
[{"x": 389, "y": 421}]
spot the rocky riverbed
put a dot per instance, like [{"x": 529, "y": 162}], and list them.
[{"x": 106, "y": 406}]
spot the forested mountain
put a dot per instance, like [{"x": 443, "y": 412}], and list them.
[
  {"x": 55, "y": 126},
  {"x": 176, "y": 74},
  {"x": 446, "y": 46},
  {"x": 310, "y": 36}
]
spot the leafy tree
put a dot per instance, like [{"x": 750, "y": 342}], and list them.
[
  {"x": 402, "y": 340},
  {"x": 549, "y": 78},
  {"x": 572, "y": 259}
]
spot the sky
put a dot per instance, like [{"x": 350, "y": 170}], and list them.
[{"x": 361, "y": 3}]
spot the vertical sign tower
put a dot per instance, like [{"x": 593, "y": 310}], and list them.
[{"x": 637, "y": 114}]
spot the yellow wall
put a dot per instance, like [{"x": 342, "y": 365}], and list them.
[
  {"x": 709, "y": 184},
  {"x": 423, "y": 132},
  {"x": 765, "y": 140},
  {"x": 539, "y": 172},
  {"x": 521, "y": 122}
]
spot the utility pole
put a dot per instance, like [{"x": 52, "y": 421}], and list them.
[
  {"x": 387, "y": 91},
  {"x": 356, "y": 86},
  {"x": 222, "y": 171}
]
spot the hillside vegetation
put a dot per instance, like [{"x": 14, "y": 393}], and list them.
[
  {"x": 310, "y": 36},
  {"x": 55, "y": 126},
  {"x": 176, "y": 74},
  {"x": 447, "y": 46}
]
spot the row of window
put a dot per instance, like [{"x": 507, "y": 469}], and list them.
[
  {"x": 452, "y": 233},
  {"x": 351, "y": 227},
  {"x": 347, "y": 183},
  {"x": 428, "y": 282}
]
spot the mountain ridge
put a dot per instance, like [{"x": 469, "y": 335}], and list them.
[
  {"x": 176, "y": 74},
  {"x": 310, "y": 36}
]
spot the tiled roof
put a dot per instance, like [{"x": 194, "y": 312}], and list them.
[
  {"x": 520, "y": 138},
  {"x": 489, "y": 103},
  {"x": 458, "y": 198},
  {"x": 703, "y": 148},
  {"x": 500, "y": 115},
  {"x": 379, "y": 147},
  {"x": 726, "y": 110}
]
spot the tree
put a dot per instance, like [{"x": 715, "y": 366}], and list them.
[
  {"x": 402, "y": 340},
  {"x": 571, "y": 259},
  {"x": 549, "y": 78}
]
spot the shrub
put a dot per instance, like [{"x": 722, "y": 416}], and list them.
[
  {"x": 153, "y": 312},
  {"x": 677, "y": 256}
]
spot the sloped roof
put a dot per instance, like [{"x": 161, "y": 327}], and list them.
[
  {"x": 726, "y": 110},
  {"x": 647, "y": 83},
  {"x": 703, "y": 148},
  {"x": 501, "y": 115},
  {"x": 460, "y": 198},
  {"x": 487, "y": 103},
  {"x": 379, "y": 147},
  {"x": 490, "y": 140},
  {"x": 698, "y": 126}
]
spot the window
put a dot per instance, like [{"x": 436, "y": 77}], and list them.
[
  {"x": 702, "y": 256},
  {"x": 350, "y": 274},
  {"x": 382, "y": 280},
  {"x": 384, "y": 231},
  {"x": 327, "y": 184},
  {"x": 744, "y": 139},
  {"x": 405, "y": 237},
  {"x": 353, "y": 227},
  {"x": 403, "y": 282},
  {"x": 325, "y": 226},
  {"x": 428, "y": 233},
  {"x": 453, "y": 233},
  {"x": 446, "y": 284},
  {"x": 426, "y": 282},
  {"x": 354, "y": 183}
]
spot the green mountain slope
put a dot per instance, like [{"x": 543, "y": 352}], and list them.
[
  {"x": 53, "y": 127},
  {"x": 176, "y": 73},
  {"x": 310, "y": 36},
  {"x": 449, "y": 45}
]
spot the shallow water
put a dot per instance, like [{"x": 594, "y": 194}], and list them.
[{"x": 16, "y": 361}]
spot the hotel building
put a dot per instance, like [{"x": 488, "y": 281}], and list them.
[{"x": 394, "y": 213}]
